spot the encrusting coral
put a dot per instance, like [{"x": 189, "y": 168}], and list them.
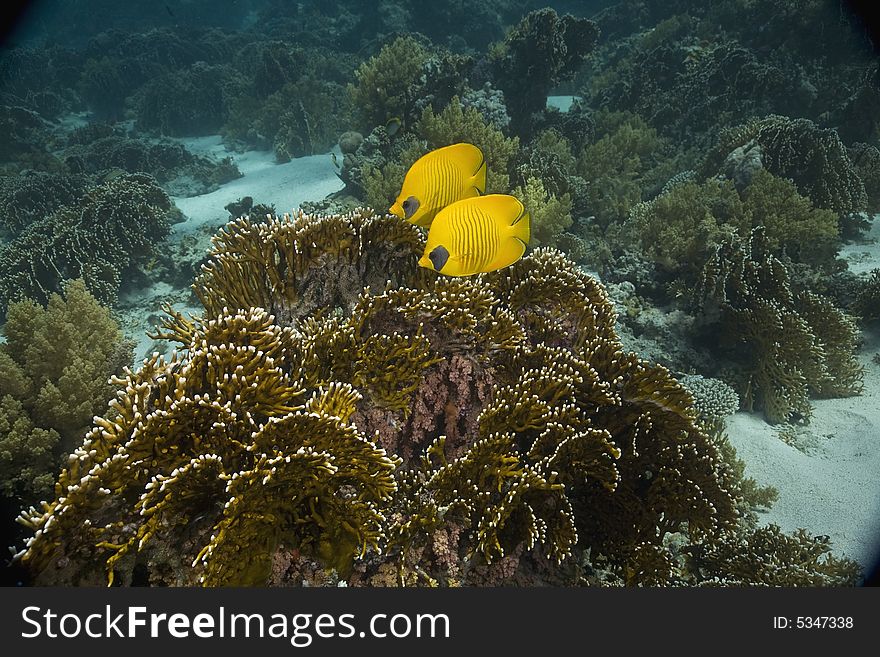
[
  {"x": 790, "y": 345},
  {"x": 54, "y": 370},
  {"x": 339, "y": 410}
]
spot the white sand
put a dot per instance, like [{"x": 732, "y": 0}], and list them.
[
  {"x": 830, "y": 482},
  {"x": 286, "y": 185},
  {"x": 864, "y": 255}
]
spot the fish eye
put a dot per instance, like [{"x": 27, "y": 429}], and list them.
[
  {"x": 410, "y": 206},
  {"x": 438, "y": 257}
]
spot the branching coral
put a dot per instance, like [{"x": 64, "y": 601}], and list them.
[
  {"x": 868, "y": 301},
  {"x": 807, "y": 234},
  {"x": 459, "y": 124},
  {"x": 791, "y": 345},
  {"x": 296, "y": 267},
  {"x": 713, "y": 399},
  {"x": 384, "y": 79},
  {"x": 681, "y": 226},
  {"x": 813, "y": 158},
  {"x": 866, "y": 160},
  {"x": 164, "y": 160},
  {"x": 32, "y": 195},
  {"x": 54, "y": 371},
  {"x": 225, "y": 440},
  {"x": 543, "y": 50},
  {"x": 429, "y": 430},
  {"x": 550, "y": 216},
  {"x": 191, "y": 101},
  {"x": 113, "y": 227},
  {"x": 618, "y": 166},
  {"x": 679, "y": 229},
  {"x": 768, "y": 557}
]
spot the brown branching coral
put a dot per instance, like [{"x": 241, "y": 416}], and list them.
[
  {"x": 428, "y": 430},
  {"x": 793, "y": 344},
  {"x": 768, "y": 557},
  {"x": 223, "y": 441},
  {"x": 295, "y": 266}
]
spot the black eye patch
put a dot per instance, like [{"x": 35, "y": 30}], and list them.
[
  {"x": 438, "y": 257},
  {"x": 410, "y": 206}
]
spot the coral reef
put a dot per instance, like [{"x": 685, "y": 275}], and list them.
[
  {"x": 619, "y": 166},
  {"x": 714, "y": 400},
  {"x": 374, "y": 172},
  {"x": 113, "y": 227},
  {"x": 867, "y": 303},
  {"x": 383, "y": 81},
  {"x": 123, "y": 69},
  {"x": 476, "y": 430},
  {"x": 23, "y": 141},
  {"x": 32, "y": 195},
  {"x": 191, "y": 101},
  {"x": 813, "y": 158},
  {"x": 791, "y": 223},
  {"x": 543, "y": 50},
  {"x": 338, "y": 415},
  {"x": 103, "y": 154},
  {"x": 768, "y": 557},
  {"x": 550, "y": 216},
  {"x": 55, "y": 367},
  {"x": 788, "y": 345},
  {"x": 459, "y": 124},
  {"x": 681, "y": 226},
  {"x": 490, "y": 103},
  {"x": 679, "y": 229},
  {"x": 866, "y": 160}
]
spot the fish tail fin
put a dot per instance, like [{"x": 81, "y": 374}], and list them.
[
  {"x": 480, "y": 177},
  {"x": 521, "y": 227}
]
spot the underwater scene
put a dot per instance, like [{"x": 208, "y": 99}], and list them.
[{"x": 337, "y": 293}]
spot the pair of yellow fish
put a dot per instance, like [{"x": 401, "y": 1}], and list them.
[{"x": 468, "y": 233}]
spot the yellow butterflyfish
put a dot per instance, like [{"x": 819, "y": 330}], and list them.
[
  {"x": 477, "y": 235},
  {"x": 438, "y": 179}
]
